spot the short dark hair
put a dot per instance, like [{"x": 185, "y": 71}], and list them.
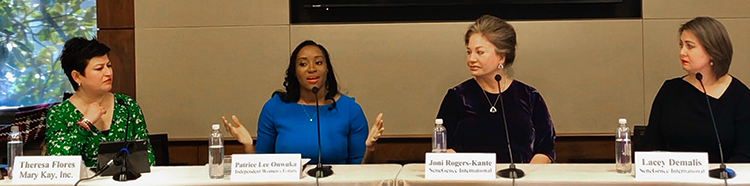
[
  {"x": 77, "y": 53},
  {"x": 715, "y": 40},
  {"x": 499, "y": 33},
  {"x": 291, "y": 83}
]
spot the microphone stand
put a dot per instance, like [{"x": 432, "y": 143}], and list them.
[
  {"x": 319, "y": 171},
  {"x": 722, "y": 172},
  {"x": 511, "y": 171},
  {"x": 126, "y": 173}
]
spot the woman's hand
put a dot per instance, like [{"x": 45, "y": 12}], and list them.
[
  {"x": 375, "y": 132},
  {"x": 238, "y": 131},
  {"x": 540, "y": 158},
  {"x": 93, "y": 114}
]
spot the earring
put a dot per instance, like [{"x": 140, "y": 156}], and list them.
[
  {"x": 712, "y": 63},
  {"x": 79, "y": 84},
  {"x": 500, "y": 66}
]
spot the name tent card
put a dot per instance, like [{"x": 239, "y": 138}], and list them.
[
  {"x": 670, "y": 166},
  {"x": 47, "y": 169},
  {"x": 266, "y": 167},
  {"x": 459, "y": 166}
]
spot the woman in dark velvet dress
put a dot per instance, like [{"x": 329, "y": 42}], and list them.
[
  {"x": 472, "y": 115},
  {"x": 680, "y": 119}
]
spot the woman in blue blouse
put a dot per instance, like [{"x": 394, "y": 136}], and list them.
[{"x": 288, "y": 121}]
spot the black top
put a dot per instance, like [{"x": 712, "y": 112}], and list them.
[
  {"x": 472, "y": 128},
  {"x": 680, "y": 121}
]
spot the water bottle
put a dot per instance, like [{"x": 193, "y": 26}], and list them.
[
  {"x": 216, "y": 154},
  {"x": 438, "y": 137},
  {"x": 622, "y": 147},
  {"x": 15, "y": 148}
]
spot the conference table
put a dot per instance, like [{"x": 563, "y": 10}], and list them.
[
  {"x": 413, "y": 175},
  {"x": 356, "y": 175},
  {"x": 567, "y": 174}
]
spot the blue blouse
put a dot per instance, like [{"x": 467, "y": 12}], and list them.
[
  {"x": 472, "y": 128},
  {"x": 292, "y": 128}
]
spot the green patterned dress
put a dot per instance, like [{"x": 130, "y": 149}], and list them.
[{"x": 65, "y": 137}]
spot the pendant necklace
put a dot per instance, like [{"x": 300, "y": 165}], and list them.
[
  {"x": 492, "y": 109},
  {"x": 306, "y": 114}
]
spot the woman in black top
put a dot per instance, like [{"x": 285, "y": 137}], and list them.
[
  {"x": 680, "y": 119},
  {"x": 472, "y": 115}
]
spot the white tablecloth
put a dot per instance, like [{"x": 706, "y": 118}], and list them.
[
  {"x": 377, "y": 174},
  {"x": 567, "y": 174}
]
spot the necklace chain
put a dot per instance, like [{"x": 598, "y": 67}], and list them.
[
  {"x": 308, "y": 115},
  {"x": 492, "y": 109}
]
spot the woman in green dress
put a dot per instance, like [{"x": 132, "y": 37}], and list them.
[{"x": 93, "y": 114}]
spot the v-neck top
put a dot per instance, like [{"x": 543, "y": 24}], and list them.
[
  {"x": 65, "y": 137},
  {"x": 680, "y": 121}
]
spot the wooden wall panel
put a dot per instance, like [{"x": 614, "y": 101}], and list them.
[
  {"x": 588, "y": 71},
  {"x": 115, "y": 14},
  {"x": 201, "y": 13},
  {"x": 660, "y": 9},
  {"x": 115, "y": 19},
  {"x": 122, "y": 55},
  {"x": 402, "y": 150}
]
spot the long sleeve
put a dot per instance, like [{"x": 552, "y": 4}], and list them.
[
  {"x": 267, "y": 133},
  {"x": 544, "y": 137},
  {"x": 63, "y": 135},
  {"x": 139, "y": 128},
  {"x": 653, "y": 140},
  {"x": 742, "y": 129},
  {"x": 357, "y": 134},
  {"x": 450, "y": 113}
]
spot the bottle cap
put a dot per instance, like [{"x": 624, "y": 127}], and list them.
[
  {"x": 215, "y": 126},
  {"x": 14, "y": 128},
  {"x": 623, "y": 121},
  {"x": 439, "y": 121}
]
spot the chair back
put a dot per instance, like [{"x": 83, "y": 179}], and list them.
[{"x": 160, "y": 147}]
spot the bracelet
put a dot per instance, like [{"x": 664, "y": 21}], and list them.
[{"x": 85, "y": 121}]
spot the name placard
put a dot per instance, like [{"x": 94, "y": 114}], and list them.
[
  {"x": 266, "y": 167},
  {"x": 47, "y": 169},
  {"x": 459, "y": 166},
  {"x": 671, "y": 166}
]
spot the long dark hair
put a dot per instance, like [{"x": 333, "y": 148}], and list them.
[{"x": 291, "y": 83}]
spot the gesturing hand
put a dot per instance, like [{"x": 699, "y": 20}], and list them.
[
  {"x": 238, "y": 131},
  {"x": 375, "y": 132}
]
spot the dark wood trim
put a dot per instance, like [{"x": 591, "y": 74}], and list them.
[
  {"x": 116, "y": 22},
  {"x": 115, "y": 14},
  {"x": 569, "y": 149}
]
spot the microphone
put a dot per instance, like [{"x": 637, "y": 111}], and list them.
[
  {"x": 511, "y": 171},
  {"x": 722, "y": 172},
  {"x": 126, "y": 173},
  {"x": 320, "y": 171}
]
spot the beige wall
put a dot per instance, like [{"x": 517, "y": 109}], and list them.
[{"x": 198, "y": 61}]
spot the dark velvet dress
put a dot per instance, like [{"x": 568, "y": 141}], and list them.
[
  {"x": 680, "y": 121},
  {"x": 472, "y": 128}
]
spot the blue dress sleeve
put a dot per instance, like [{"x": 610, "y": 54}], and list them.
[
  {"x": 357, "y": 134},
  {"x": 266, "y": 142}
]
